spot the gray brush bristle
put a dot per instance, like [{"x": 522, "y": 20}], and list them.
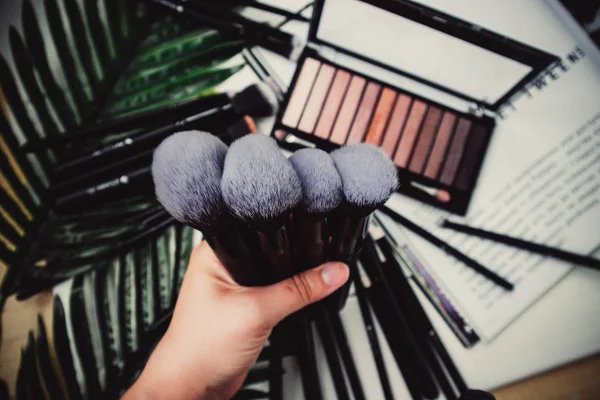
[
  {"x": 257, "y": 100},
  {"x": 187, "y": 168},
  {"x": 259, "y": 183},
  {"x": 368, "y": 174},
  {"x": 320, "y": 180}
]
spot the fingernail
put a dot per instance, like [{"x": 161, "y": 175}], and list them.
[{"x": 334, "y": 274}]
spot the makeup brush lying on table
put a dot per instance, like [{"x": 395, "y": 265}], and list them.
[
  {"x": 187, "y": 170},
  {"x": 128, "y": 176},
  {"x": 139, "y": 154},
  {"x": 257, "y": 100},
  {"x": 537, "y": 248}
]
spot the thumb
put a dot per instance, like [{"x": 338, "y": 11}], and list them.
[{"x": 286, "y": 297}]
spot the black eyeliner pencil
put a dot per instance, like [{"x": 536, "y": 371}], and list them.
[
  {"x": 525, "y": 245},
  {"x": 469, "y": 262},
  {"x": 426, "y": 334},
  {"x": 365, "y": 312}
]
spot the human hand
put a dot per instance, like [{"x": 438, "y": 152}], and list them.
[{"x": 219, "y": 328}]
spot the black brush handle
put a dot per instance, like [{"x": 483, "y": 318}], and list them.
[
  {"x": 431, "y": 238},
  {"x": 372, "y": 337},
  {"x": 425, "y": 333},
  {"x": 211, "y": 121},
  {"x": 275, "y": 247},
  {"x": 235, "y": 252},
  {"x": 525, "y": 245},
  {"x": 348, "y": 235},
  {"x": 311, "y": 238},
  {"x": 331, "y": 354},
  {"x": 396, "y": 327},
  {"x": 346, "y": 354},
  {"x": 122, "y": 183},
  {"x": 307, "y": 361}
]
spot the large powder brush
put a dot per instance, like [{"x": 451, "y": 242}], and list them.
[
  {"x": 187, "y": 168},
  {"x": 261, "y": 188}
]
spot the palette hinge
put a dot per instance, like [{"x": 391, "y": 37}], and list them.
[
  {"x": 326, "y": 52},
  {"x": 479, "y": 111}
]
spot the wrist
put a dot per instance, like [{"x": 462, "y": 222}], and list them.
[{"x": 166, "y": 377}]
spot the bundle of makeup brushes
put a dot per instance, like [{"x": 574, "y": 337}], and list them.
[
  {"x": 268, "y": 218},
  {"x": 265, "y": 216}
]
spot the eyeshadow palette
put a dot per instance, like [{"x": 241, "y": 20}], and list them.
[{"x": 341, "y": 96}]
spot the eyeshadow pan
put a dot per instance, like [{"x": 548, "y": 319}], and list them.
[
  {"x": 455, "y": 154},
  {"x": 346, "y": 115},
  {"x": 364, "y": 113},
  {"x": 332, "y": 104},
  {"x": 409, "y": 135},
  {"x": 426, "y": 137},
  {"x": 316, "y": 98},
  {"x": 440, "y": 145},
  {"x": 472, "y": 154},
  {"x": 301, "y": 91},
  {"x": 381, "y": 116},
  {"x": 396, "y": 123}
]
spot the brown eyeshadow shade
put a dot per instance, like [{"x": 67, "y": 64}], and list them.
[
  {"x": 364, "y": 113},
  {"x": 455, "y": 153},
  {"x": 346, "y": 115},
  {"x": 436, "y": 158},
  {"x": 409, "y": 135},
  {"x": 316, "y": 99},
  {"x": 301, "y": 91},
  {"x": 430, "y": 124},
  {"x": 396, "y": 123},
  {"x": 473, "y": 151},
  {"x": 381, "y": 116},
  {"x": 332, "y": 104}
]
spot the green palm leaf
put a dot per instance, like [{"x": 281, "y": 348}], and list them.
[
  {"x": 125, "y": 256},
  {"x": 37, "y": 52}
]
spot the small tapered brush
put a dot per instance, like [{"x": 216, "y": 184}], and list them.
[
  {"x": 321, "y": 194},
  {"x": 368, "y": 180}
]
